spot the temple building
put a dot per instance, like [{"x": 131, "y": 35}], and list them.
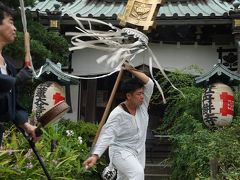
[{"x": 186, "y": 32}]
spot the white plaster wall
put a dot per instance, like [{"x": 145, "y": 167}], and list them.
[
  {"x": 173, "y": 56},
  {"x": 169, "y": 56},
  {"x": 74, "y": 99}
]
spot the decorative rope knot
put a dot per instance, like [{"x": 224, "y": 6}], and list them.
[{"x": 136, "y": 34}]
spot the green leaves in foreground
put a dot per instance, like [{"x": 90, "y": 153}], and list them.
[{"x": 63, "y": 149}]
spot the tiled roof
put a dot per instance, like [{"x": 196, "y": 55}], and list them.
[
  {"x": 172, "y": 8},
  {"x": 50, "y": 67},
  {"x": 219, "y": 72}
]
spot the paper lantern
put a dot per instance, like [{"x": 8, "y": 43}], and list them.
[
  {"x": 49, "y": 102},
  {"x": 217, "y": 105}
]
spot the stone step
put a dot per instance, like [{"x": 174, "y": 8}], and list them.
[
  {"x": 158, "y": 148},
  {"x": 157, "y": 177},
  {"x": 155, "y": 160},
  {"x": 157, "y": 153},
  {"x": 157, "y": 169}
]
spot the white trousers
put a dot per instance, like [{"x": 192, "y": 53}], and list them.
[{"x": 128, "y": 166}]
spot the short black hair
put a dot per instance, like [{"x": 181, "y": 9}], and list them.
[
  {"x": 130, "y": 85},
  {"x": 5, "y": 11}
]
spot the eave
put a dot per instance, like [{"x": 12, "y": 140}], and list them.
[
  {"x": 218, "y": 73},
  {"x": 172, "y": 12},
  {"x": 51, "y": 68}
]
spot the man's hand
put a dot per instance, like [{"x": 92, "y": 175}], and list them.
[
  {"x": 30, "y": 130},
  {"x": 127, "y": 66},
  {"x": 23, "y": 76},
  {"x": 91, "y": 161}
]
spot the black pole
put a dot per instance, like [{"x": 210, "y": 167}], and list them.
[
  {"x": 1, "y": 134},
  {"x": 79, "y": 100},
  {"x": 32, "y": 145}
]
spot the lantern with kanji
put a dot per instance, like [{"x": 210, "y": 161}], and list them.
[
  {"x": 217, "y": 105},
  {"x": 218, "y": 99},
  {"x": 49, "y": 102}
]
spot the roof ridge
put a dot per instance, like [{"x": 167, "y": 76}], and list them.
[{"x": 170, "y": 9}]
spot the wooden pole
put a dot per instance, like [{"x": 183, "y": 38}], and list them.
[
  {"x": 28, "y": 62},
  {"x": 214, "y": 166},
  {"x": 108, "y": 106}
]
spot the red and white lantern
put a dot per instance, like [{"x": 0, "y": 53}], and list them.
[
  {"x": 217, "y": 105},
  {"x": 49, "y": 102}
]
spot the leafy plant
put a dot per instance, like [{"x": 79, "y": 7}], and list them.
[
  {"x": 63, "y": 148},
  {"x": 193, "y": 144},
  {"x": 177, "y": 104}
]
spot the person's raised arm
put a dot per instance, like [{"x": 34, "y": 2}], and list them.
[{"x": 140, "y": 75}]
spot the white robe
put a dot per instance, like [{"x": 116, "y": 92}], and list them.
[{"x": 124, "y": 133}]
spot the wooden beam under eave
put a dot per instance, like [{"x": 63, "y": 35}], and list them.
[
  {"x": 193, "y": 21},
  {"x": 91, "y": 94}
]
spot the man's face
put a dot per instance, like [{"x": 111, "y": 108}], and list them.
[
  {"x": 7, "y": 30},
  {"x": 136, "y": 97}
]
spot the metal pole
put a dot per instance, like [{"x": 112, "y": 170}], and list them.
[
  {"x": 79, "y": 100},
  {"x": 32, "y": 145}
]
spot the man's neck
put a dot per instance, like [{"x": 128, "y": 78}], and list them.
[
  {"x": 2, "y": 45},
  {"x": 131, "y": 107},
  {"x": 2, "y": 61}
]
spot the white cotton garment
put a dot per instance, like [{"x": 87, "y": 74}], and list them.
[
  {"x": 4, "y": 69},
  {"x": 124, "y": 132}
]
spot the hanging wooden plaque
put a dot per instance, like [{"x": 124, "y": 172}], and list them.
[{"x": 140, "y": 13}]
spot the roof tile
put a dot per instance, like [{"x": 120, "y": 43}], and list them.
[{"x": 170, "y": 9}]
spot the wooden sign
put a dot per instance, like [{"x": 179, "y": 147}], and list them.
[{"x": 140, "y": 13}]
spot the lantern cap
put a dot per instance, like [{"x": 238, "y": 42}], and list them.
[
  {"x": 51, "y": 68},
  {"x": 219, "y": 72}
]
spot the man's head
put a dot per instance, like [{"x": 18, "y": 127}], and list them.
[
  {"x": 133, "y": 90},
  {"x": 4, "y": 11},
  {"x": 7, "y": 28}
]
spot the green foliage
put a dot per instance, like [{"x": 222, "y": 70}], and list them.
[
  {"x": 195, "y": 145},
  {"x": 26, "y": 95},
  {"x": 39, "y": 52},
  {"x": 43, "y": 44},
  {"x": 15, "y": 3},
  {"x": 180, "y": 79},
  {"x": 53, "y": 41},
  {"x": 63, "y": 157},
  {"x": 192, "y": 152},
  {"x": 177, "y": 104}
]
